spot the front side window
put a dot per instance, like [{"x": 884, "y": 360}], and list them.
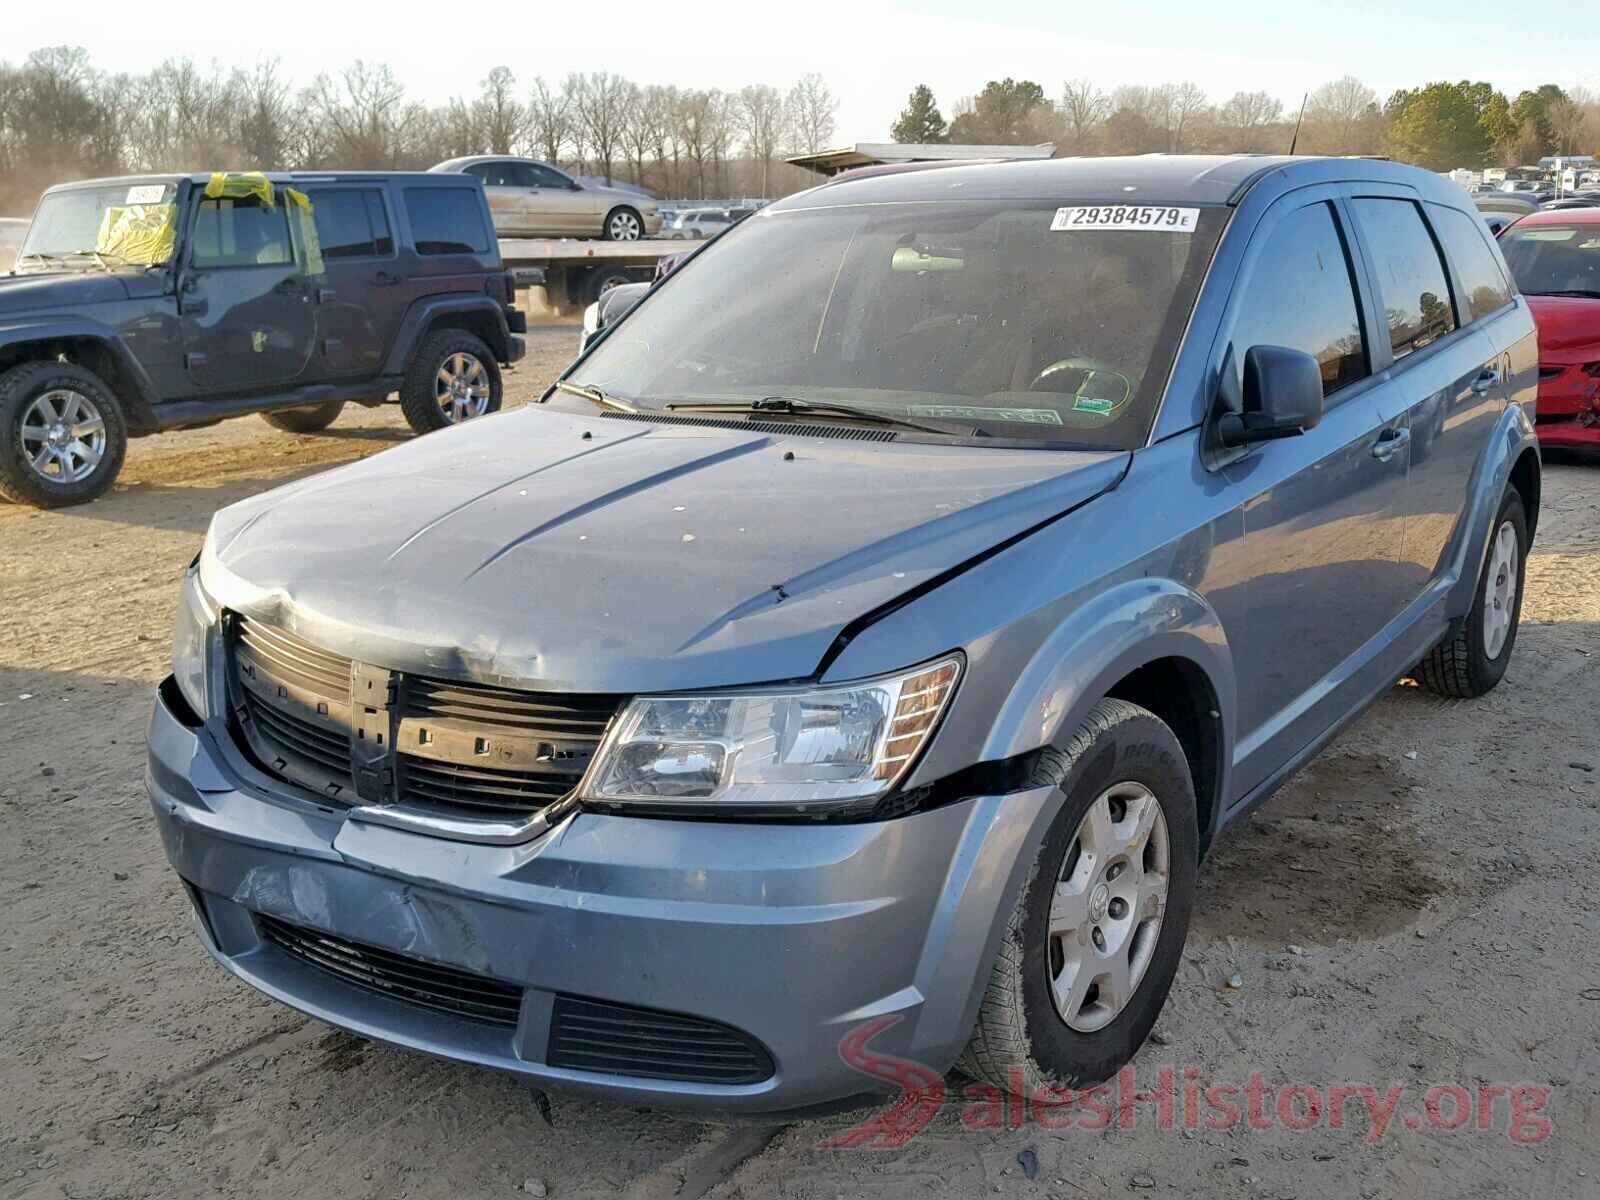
[
  {"x": 987, "y": 316},
  {"x": 543, "y": 176},
  {"x": 1300, "y": 296},
  {"x": 1482, "y": 279},
  {"x": 1411, "y": 276},
  {"x": 447, "y": 220},
  {"x": 1554, "y": 260},
  {"x": 241, "y": 232}
]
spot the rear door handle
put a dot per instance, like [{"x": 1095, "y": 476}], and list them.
[
  {"x": 1390, "y": 442},
  {"x": 384, "y": 279},
  {"x": 1487, "y": 380},
  {"x": 289, "y": 287}
]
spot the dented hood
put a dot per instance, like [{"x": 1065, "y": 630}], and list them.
[{"x": 581, "y": 553}]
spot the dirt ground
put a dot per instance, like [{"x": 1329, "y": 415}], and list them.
[{"x": 1416, "y": 908}]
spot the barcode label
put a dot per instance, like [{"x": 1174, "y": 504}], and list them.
[{"x": 1152, "y": 217}]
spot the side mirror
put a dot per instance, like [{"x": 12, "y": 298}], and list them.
[{"x": 1282, "y": 397}]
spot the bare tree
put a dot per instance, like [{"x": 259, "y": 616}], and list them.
[
  {"x": 1342, "y": 117},
  {"x": 363, "y": 113},
  {"x": 1184, "y": 106},
  {"x": 550, "y": 120},
  {"x": 601, "y": 102},
  {"x": 1244, "y": 118},
  {"x": 266, "y": 117},
  {"x": 1569, "y": 122},
  {"x": 697, "y": 117},
  {"x": 501, "y": 120},
  {"x": 1083, "y": 109},
  {"x": 759, "y": 114},
  {"x": 810, "y": 110}
]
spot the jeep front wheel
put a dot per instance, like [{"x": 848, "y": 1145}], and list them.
[
  {"x": 62, "y": 436},
  {"x": 305, "y": 420},
  {"x": 452, "y": 378}
]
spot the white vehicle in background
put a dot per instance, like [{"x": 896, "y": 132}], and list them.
[
  {"x": 12, "y": 231},
  {"x": 695, "y": 223}
]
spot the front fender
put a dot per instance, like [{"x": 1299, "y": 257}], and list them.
[{"x": 136, "y": 396}]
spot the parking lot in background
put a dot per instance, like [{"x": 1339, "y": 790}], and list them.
[{"x": 1404, "y": 913}]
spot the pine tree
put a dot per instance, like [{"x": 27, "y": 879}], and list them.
[{"x": 920, "y": 121}]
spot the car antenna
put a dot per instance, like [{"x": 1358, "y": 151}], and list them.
[{"x": 1293, "y": 140}]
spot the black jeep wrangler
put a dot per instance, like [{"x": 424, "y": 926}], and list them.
[{"x": 167, "y": 302}]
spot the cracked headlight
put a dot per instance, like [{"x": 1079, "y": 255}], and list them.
[
  {"x": 819, "y": 749},
  {"x": 191, "y": 632}
]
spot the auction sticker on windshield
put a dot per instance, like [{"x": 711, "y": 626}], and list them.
[{"x": 1153, "y": 217}]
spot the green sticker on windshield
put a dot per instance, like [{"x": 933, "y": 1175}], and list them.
[{"x": 1098, "y": 405}]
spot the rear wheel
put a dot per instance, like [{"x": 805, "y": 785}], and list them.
[
  {"x": 1474, "y": 657},
  {"x": 305, "y": 420},
  {"x": 623, "y": 225},
  {"x": 62, "y": 436},
  {"x": 452, "y": 378},
  {"x": 1096, "y": 937}
]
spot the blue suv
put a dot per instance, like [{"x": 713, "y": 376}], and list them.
[{"x": 871, "y": 631}]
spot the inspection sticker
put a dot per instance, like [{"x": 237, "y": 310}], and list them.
[
  {"x": 1152, "y": 217},
  {"x": 146, "y": 193}
]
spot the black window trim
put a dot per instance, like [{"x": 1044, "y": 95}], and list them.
[
  {"x": 313, "y": 190},
  {"x": 1280, "y": 210}
]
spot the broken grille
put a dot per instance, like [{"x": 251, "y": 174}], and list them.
[{"x": 359, "y": 734}]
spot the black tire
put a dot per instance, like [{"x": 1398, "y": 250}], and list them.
[
  {"x": 628, "y": 232},
  {"x": 305, "y": 420},
  {"x": 603, "y": 279},
  {"x": 1119, "y": 745},
  {"x": 418, "y": 397},
  {"x": 20, "y": 481},
  {"x": 1461, "y": 666}
]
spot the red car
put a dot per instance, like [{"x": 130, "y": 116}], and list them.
[{"x": 1555, "y": 258}]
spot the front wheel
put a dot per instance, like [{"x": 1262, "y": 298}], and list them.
[
  {"x": 62, "y": 436},
  {"x": 452, "y": 378},
  {"x": 1096, "y": 937},
  {"x": 1474, "y": 657},
  {"x": 623, "y": 225}
]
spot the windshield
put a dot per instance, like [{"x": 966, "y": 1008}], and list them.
[
  {"x": 122, "y": 223},
  {"x": 1554, "y": 259},
  {"x": 1013, "y": 319}
]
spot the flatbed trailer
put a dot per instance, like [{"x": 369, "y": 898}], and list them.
[{"x": 562, "y": 275}]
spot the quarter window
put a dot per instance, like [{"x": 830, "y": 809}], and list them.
[
  {"x": 1411, "y": 276},
  {"x": 1301, "y": 296},
  {"x": 447, "y": 220},
  {"x": 1482, "y": 280}
]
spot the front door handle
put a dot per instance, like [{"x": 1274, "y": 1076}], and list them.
[
  {"x": 1390, "y": 442},
  {"x": 1487, "y": 380}
]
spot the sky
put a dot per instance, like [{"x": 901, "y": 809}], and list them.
[{"x": 872, "y": 53}]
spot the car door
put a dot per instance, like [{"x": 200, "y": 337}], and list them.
[
  {"x": 355, "y": 297},
  {"x": 1455, "y": 376},
  {"x": 245, "y": 302},
  {"x": 1322, "y": 513},
  {"x": 565, "y": 207},
  {"x": 509, "y": 188}
]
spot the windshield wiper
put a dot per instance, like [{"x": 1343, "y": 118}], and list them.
[
  {"x": 1568, "y": 292},
  {"x": 593, "y": 395},
  {"x": 788, "y": 406}
]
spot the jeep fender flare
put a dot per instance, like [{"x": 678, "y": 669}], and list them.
[
  {"x": 133, "y": 391},
  {"x": 422, "y": 315}
]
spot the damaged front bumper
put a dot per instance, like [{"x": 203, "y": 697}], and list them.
[{"x": 780, "y": 938}]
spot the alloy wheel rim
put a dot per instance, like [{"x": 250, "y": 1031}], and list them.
[
  {"x": 1109, "y": 901},
  {"x": 462, "y": 387},
  {"x": 63, "y": 436},
  {"x": 1500, "y": 590},
  {"x": 625, "y": 227}
]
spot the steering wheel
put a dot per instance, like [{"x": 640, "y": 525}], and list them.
[{"x": 1093, "y": 370}]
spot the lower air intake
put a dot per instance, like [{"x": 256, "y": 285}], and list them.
[{"x": 619, "y": 1039}]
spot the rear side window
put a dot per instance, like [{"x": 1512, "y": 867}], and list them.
[
  {"x": 1482, "y": 280},
  {"x": 241, "y": 232},
  {"x": 351, "y": 223},
  {"x": 1411, "y": 276},
  {"x": 1300, "y": 295},
  {"x": 447, "y": 220}
]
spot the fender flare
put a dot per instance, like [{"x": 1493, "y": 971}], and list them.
[
  {"x": 1513, "y": 436},
  {"x": 424, "y": 312},
  {"x": 137, "y": 399}
]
